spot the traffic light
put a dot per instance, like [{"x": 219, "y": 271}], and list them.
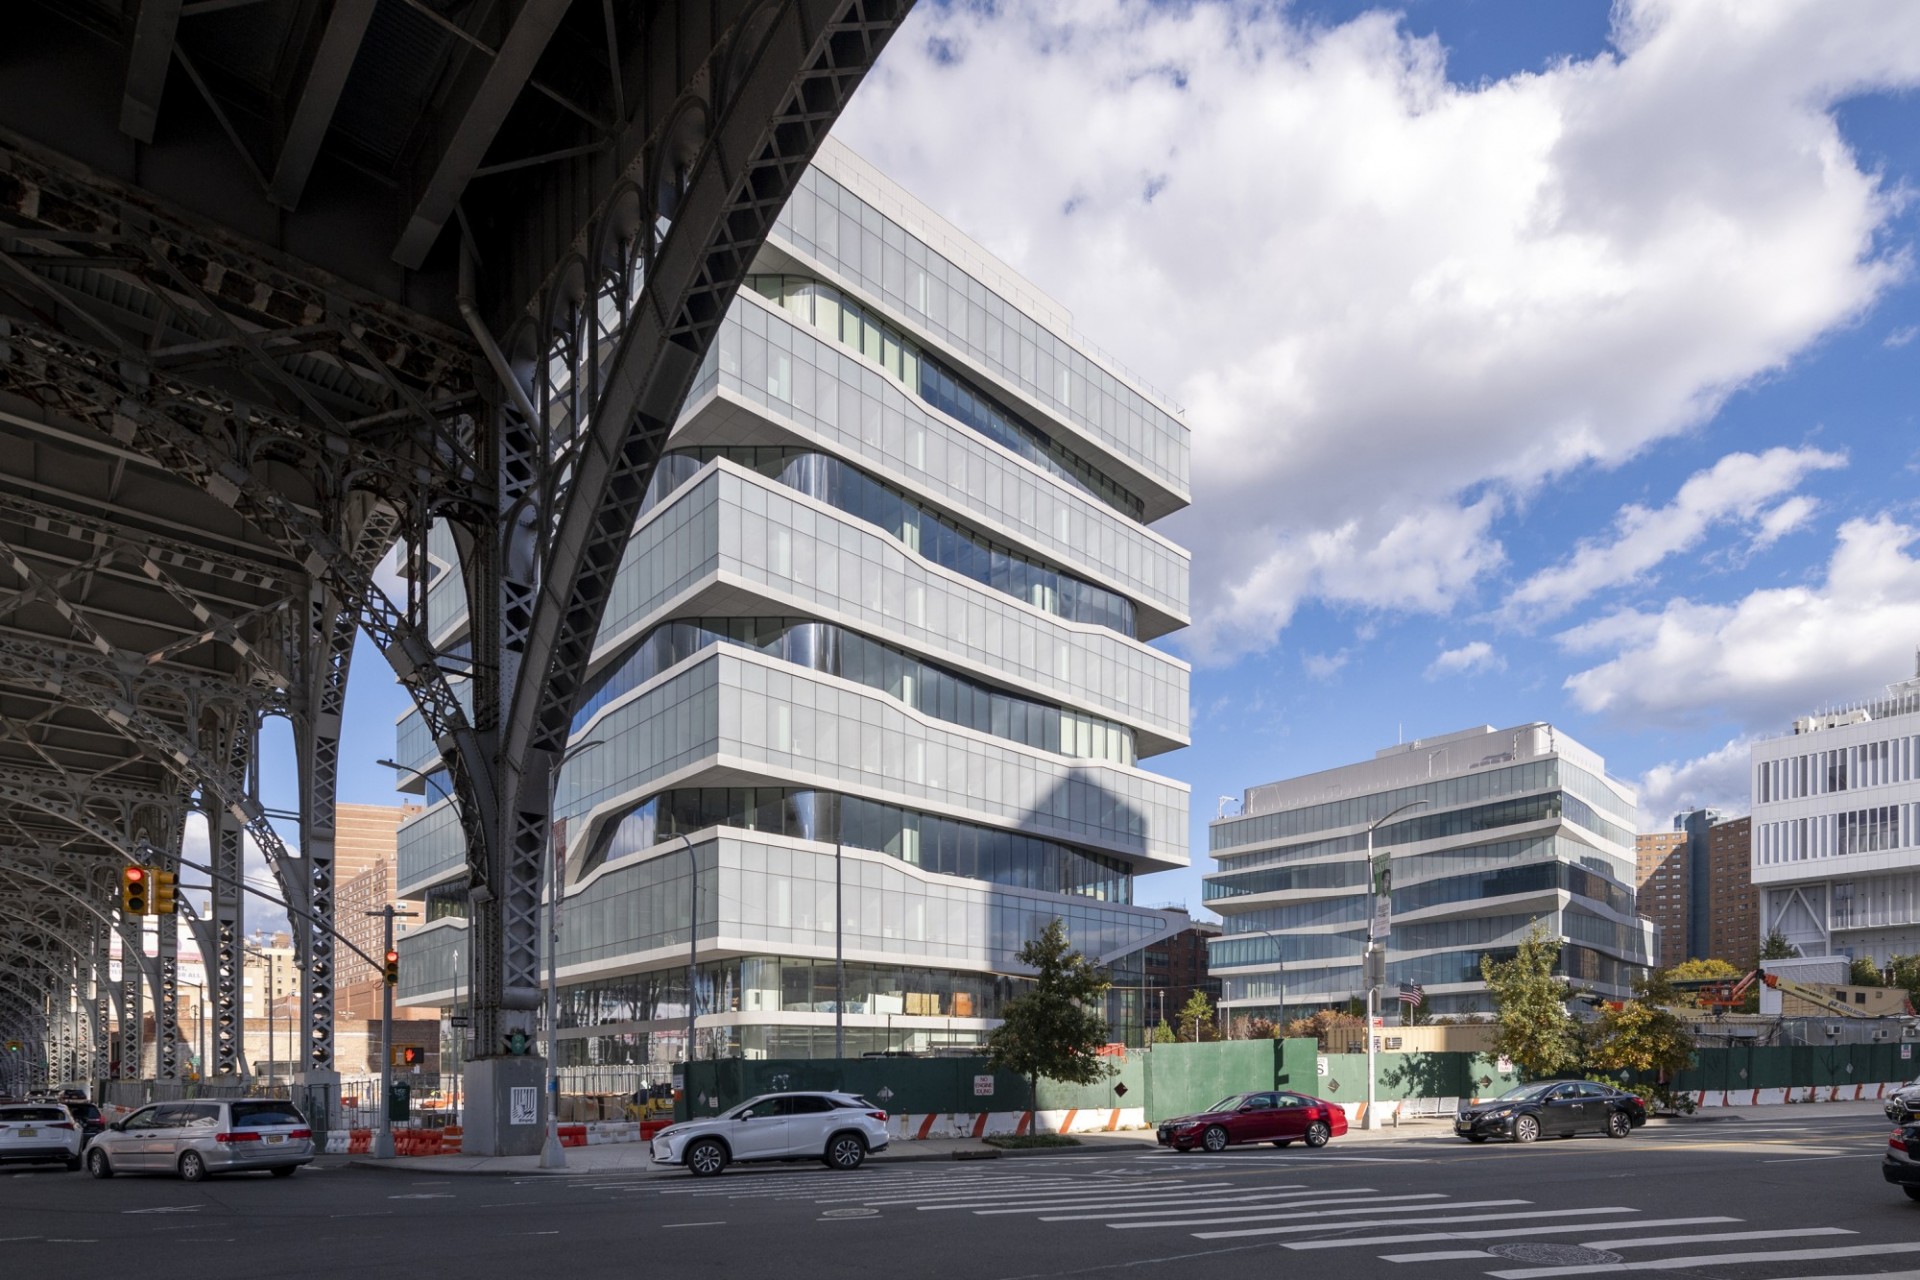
[
  {"x": 163, "y": 883},
  {"x": 411, "y": 1055},
  {"x": 393, "y": 968},
  {"x": 133, "y": 891}
]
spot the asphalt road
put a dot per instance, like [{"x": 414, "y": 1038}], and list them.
[{"x": 1792, "y": 1194}]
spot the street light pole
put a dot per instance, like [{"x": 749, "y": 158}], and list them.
[
  {"x": 1373, "y": 1119},
  {"x": 459, "y": 1036},
  {"x": 382, "y": 1144},
  {"x": 552, "y": 1155},
  {"x": 839, "y": 966}
]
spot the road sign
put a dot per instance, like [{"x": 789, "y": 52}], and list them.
[
  {"x": 983, "y": 1086},
  {"x": 459, "y": 1020}
]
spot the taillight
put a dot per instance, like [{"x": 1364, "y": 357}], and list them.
[
  {"x": 301, "y": 1133},
  {"x": 1899, "y": 1140},
  {"x": 877, "y": 1115},
  {"x": 1639, "y": 1102},
  {"x": 60, "y": 1124},
  {"x": 230, "y": 1138}
]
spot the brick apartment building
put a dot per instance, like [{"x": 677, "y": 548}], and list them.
[{"x": 1660, "y": 889}]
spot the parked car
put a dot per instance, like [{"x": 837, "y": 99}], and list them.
[
  {"x": 839, "y": 1129},
  {"x": 200, "y": 1138},
  {"x": 1901, "y": 1164},
  {"x": 1554, "y": 1109},
  {"x": 1280, "y": 1118},
  {"x": 39, "y": 1133},
  {"x": 1903, "y": 1104}
]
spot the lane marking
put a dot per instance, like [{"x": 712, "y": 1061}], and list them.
[
  {"x": 669, "y": 1226},
  {"x": 1656, "y": 1241},
  {"x": 1419, "y": 1237},
  {"x": 1438, "y": 1255},
  {"x": 169, "y": 1208},
  {"x": 1709, "y": 1260},
  {"x": 1225, "y": 1201},
  {"x": 1378, "y": 1205},
  {"x": 1246, "y": 1232}
]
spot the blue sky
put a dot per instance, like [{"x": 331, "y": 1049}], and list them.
[{"x": 1544, "y": 361}]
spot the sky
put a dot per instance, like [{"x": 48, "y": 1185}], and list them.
[{"x": 1543, "y": 361}]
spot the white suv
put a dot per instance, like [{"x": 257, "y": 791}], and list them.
[{"x": 838, "y": 1129}]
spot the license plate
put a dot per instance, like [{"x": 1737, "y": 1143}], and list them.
[
  {"x": 276, "y": 1137},
  {"x": 1462, "y": 1125},
  {"x": 28, "y": 1133}
]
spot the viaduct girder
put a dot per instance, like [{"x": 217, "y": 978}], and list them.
[{"x": 281, "y": 284}]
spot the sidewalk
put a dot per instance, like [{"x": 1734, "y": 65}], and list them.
[{"x": 631, "y": 1157}]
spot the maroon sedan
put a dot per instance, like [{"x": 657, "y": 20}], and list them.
[{"x": 1279, "y": 1118}]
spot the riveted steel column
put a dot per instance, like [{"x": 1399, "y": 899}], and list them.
[
  {"x": 225, "y": 838},
  {"x": 133, "y": 943}
]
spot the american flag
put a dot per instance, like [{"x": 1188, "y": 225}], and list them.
[{"x": 1412, "y": 994}]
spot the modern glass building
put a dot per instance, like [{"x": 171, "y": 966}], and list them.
[
  {"x": 1510, "y": 826},
  {"x": 882, "y": 638},
  {"x": 1836, "y": 829}
]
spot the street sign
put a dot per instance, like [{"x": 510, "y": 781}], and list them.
[
  {"x": 1120, "y": 1090},
  {"x": 983, "y": 1086},
  {"x": 885, "y": 1094},
  {"x": 459, "y": 1020}
]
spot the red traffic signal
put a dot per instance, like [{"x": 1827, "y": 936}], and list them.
[
  {"x": 133, "y": 891},
  {"x": 392, "y": 974}
]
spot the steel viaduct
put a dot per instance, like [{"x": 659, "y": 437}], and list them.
[{"x": 281, "y": 283}]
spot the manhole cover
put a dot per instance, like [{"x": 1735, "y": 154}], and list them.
[
  {"x": 862, "y": 1213},
  {"x": 1553, "y": 1254}
]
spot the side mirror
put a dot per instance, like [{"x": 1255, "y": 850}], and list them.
[
  {"x": 117, "y": 1127},
  {"x": 746, "y": 1115}
]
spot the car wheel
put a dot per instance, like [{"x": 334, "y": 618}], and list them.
[
  {"x": 97, "y": 1164},
  {"x": 1283, "y": 1142},
  {"x": 192, "y": 1167},
  {"x": 1913, "y": 1193},
  {"x": 706, "y": 1158},
  {"x": 1619, "y": 1125},
  {"x": 845, "y": 1151},
  {"x": 1318, "y": 1133},
  {"x": 1526, "y": 1129},
  {"x": 284, "y": 1171},
  {"x": 1214, "y": 1139},
  {"x": 1476, "y": 1137}
]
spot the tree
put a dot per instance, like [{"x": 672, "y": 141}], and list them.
[
  {"x": 1322, "y": 1025},
  {"x": 1533, "y": 1026},
  {"x": 1701, "y": 971},
  {"x": 1776, "y": 947},
  {"x": 1054, "y": 1028},
  {"x": 1865, "y": 973},
  {"x": 1643, "y": 1034},
  {"x": 1196, "y": 1017},
  {"x": 1163, "y": 1034}
]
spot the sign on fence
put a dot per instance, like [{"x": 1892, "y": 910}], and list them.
[{"x": 983, "y": 1086}]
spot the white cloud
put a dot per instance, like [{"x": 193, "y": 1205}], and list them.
[
  {"x": 1323, "y": 666},
  {"x": 1469, "y": 659},
  {"x": 1385, "y": 297},
  {"x": 1718, "y": 780},
  {"x": 1777, "y": 653},
  {"x": 1739, "y": 488},
  {"x": 1902, "y": 336}
]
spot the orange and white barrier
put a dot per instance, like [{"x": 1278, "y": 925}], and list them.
[
  {"x": 914, "y": 1127},
  {"x": 1800, "y": 1094}
]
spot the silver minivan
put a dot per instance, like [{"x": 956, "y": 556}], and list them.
[{"x": 201, "y": 1137}]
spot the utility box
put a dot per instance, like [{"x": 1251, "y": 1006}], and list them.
[{"x": 399, "y": 1102}]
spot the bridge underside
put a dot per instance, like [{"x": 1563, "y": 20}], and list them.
[{"x": 281, "y": 283}]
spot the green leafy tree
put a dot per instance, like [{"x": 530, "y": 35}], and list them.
[
  {"x": 1776, "y": 947},
  {"x": 1322, "y": 1025},
  {"x": 1196, "y": 1018},
  {"x": 1533, "y": 1026},
  {"x": 1055, "y": 1028},
  {"x": 1643, "y": 1034},
  {"x": 1163, "y": 1034},
  {"x": 1906, "y": 973},
  {"x": 1702, "y": 971},
  {"x": 1865, "y": 973}
]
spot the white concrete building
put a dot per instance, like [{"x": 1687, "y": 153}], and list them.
[
  {"x": 1836, "y": 836},
  {"x": 1512, "y": 826}
]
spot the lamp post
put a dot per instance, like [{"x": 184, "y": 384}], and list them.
[
  {"x": 693, "y": 938},
  {"x": 552, "y": 1155},
  {"x": 1373, "y": 988},
  {"x": 459, "y": 1035},
  {"x": 381, "y": 1147}
]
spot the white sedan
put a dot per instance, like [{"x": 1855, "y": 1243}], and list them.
[
  {"x": 40, "y": 1132},
  {"x": 838, "y": 1129}
]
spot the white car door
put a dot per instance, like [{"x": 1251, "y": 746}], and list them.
[
  {"x": 807, "y": 1127},
  {"x": 759, "y": 1131}
]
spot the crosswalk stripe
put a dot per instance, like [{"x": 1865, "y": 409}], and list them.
[
  {"x": 1563, "y": 1229},
  {"x": 930, "y": 1199},
  {"x": 1655, "y": 1242},
  {"x": 1234, "y": 1201},
  {"x": 1709, "y": 1260},
  {"x": 1245, "y": 1232},
  {"x": 1377, "y": 1204},
  {"x": 1204, "y": 1214},
  {"x": 1448, "y": 1255},
  {"x": 1851, "y": 1275}
]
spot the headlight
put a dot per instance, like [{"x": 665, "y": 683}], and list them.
[{"x": 1498, "y": 1113}]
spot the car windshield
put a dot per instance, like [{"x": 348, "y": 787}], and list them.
[
  {"x": 1231, "y": 1103},
  {"x": 1528, "y": 1092}
]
